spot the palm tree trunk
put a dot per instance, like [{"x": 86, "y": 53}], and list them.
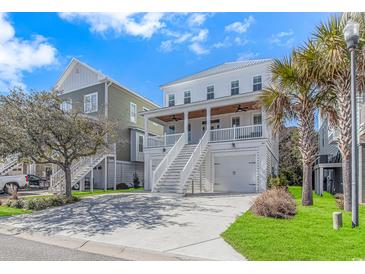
[
  {"x": 307, "y": 196},
  {"x": 346, "y": 176}
]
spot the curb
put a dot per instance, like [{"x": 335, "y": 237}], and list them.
[{"x": 111, "y": 250}]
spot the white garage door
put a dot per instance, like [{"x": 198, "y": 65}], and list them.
[{"x": 235, "y": 173}]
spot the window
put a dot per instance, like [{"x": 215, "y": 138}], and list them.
[
  {"x": 257, "y": 119},
  {"x": 133, "y": 112},
  {"x": 235, "y": 121},
  {"x": 91, "y": 102},
  {"x": 210, "y": 92},
  {"x": 187, "y": 97},
  {"x": 66, "y": 105},
  {"x": 171, "y": 100},
  {"x": 170, "y": 130},
  {"x": 235, "y": 87},
  {"x": 140, "y": 143},
  {"x": 257, "y": 83}
]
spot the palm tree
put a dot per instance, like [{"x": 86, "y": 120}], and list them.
[
  {"x": 330, "y": 66},
  {"x": 293, "y": 95}
]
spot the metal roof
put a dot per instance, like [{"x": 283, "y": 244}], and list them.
[{"x": 225, "y": 67}]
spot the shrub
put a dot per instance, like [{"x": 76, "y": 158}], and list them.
[
  {"x": 339, "y": 200},
  {"x": 36, "y": 204},
  {"x": 278, "y": 181},
  {"x": 122, "y": 186},
  {"x": 17, "y": 203},
  {"x": 136, "y": 182},
  {"x": 276, "y": 203}
]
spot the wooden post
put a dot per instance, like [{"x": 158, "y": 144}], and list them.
[
  {"x": 106, "y": 173},
  {"x": 115, "y": 172},
  {"x": 337, "y": 220},
  {"x": 92, "y": 180}
]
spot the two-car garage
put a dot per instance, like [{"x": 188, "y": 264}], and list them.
[{"x": 235, "y": 172}]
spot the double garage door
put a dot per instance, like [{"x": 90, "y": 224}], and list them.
[{"x": 235, "y": 173}]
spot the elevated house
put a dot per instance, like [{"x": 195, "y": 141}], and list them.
[
  {"x": 328, "y": 166},
  {"x": 98, "y": 96},
  {"x": 216, "y": 136}
]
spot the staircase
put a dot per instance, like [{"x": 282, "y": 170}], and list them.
[
  {"x": 9, "y": 163},
  {"x": 79, "y": 170},
  {"x": 182, "y": 169}
]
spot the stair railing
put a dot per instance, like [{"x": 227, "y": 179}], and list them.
[
  {"x": 10, "y": 161},
  {"x": 190, "y": 164},
  {"x": 168, "y": 159}
]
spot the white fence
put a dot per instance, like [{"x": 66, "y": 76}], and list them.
[{"x": 165, "y": 140}]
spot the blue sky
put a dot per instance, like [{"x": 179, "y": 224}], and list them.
[{"x": 141, "y": 51}]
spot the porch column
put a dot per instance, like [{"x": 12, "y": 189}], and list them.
[
  {"x": 208, "y": 118},
  {"x": 115, "y": 172},
  {"x": 92, "y": 180},
  {"x": 321, "y": 180},
  {"x": 186, "y": 126},
  {"x": 145, "y": 130},
  {"x": 106, "y": 173},
  {"x": 263, "y": 123}
]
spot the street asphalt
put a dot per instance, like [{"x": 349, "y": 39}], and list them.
[{"x": 16, "y": 249}]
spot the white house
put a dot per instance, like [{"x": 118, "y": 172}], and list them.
[{"x": 216, "y": 136}]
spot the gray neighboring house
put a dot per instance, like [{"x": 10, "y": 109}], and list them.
[
  {"x": 328, "y": 166},
  {"x": 98, "y": 96}
]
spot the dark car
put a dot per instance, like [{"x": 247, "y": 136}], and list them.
[{"x": 36, "y": 181}]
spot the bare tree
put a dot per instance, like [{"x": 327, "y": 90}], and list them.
[{"x": 35, "y": 126}]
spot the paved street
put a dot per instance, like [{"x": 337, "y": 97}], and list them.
[
  {"x": 15, "y": 249},
  {"x": 172, "y": 226}
]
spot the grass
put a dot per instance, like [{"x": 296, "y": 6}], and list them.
[
  {"x": 307, "y": 236},
  {"x": 6, "y": 211}
]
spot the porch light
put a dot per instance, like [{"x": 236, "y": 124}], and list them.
[{"x": 351, "y": 33}]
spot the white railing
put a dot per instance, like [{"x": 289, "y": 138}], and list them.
[
  {"x": 139, "y": 157},
  {"x": 160, "y": 141},
  {"x": 58, "y": 177},
  {"x": 236, "y": 133},
  {"x": 190, "y": 164},
  {"x": 168, "y": 159},
  {"x": 9, "y": 162}
]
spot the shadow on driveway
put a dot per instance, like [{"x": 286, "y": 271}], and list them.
[{"x": 104, "y": 214}]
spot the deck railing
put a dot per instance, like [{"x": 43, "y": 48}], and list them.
[
  {"x": 236, "y": 133},
  {"x": 164, "y": 140}
]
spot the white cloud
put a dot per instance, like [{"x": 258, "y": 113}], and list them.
[
  {"x": 145, "y": 25},
  {"x": 197, "y": 19},
  {"x": 247, "y": 55},
  {"x": 240, "y": 42},
  {"x": 283, "y": 38},
  {"x": 166, "y": 46},
  {"x": 240, "y": 27},
  {"x": 18, "y": 55},
  {"x": 198, "y": 49},
  {"x": 201, "y": 36}
]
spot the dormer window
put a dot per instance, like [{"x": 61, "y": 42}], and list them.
[
  {"x": 235, "y": 87},
  {"x": 210, "y": 92},
  {"x": 171, "y": 100},
  {"x": 257, "y": 83}
]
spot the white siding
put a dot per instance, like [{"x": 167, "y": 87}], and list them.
[
  {"x": 80, "y": 76},
  {"x": 221, "y": 82}
]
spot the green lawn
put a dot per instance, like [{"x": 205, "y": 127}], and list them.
[
  {"x": 10, "y": 211},
  {"x": 81, "y": 194},
  {"x": 308, "y": 236}
]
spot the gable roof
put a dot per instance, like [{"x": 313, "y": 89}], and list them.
[
  {"x": 102, "y": 77},
  {"x": 225, "y": 67}
]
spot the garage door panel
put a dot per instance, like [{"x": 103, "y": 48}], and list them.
[{"x": 235, "y": 173}]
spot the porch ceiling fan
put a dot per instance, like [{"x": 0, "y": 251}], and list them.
[
  {"x": 240, "y": 109},
  {"x": 174, "y": 118}
]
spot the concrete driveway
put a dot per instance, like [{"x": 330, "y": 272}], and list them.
[{"x": 188, "y": 226}]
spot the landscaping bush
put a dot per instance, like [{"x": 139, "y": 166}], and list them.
[
  {"x": 122, "y": 186},
  {"x": 278, "y": 181},
  {"x": 136, "y": 182},
  {"x": 39, "y": 203},
  {"x": 276, "y": 203},
  {"x": 339, "y": 200}
]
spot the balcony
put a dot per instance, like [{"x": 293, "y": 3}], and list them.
[
  {"x": 216, "y": 135},
  {"x": 333, "y": 135}
]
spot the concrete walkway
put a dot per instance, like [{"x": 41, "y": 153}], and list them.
[{"x": 163, "y": 225}]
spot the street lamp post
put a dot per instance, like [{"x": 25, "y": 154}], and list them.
[{"x": 351, "y": 33}]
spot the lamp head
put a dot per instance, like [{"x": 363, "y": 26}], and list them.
[{"x": 351, "y": 34}]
